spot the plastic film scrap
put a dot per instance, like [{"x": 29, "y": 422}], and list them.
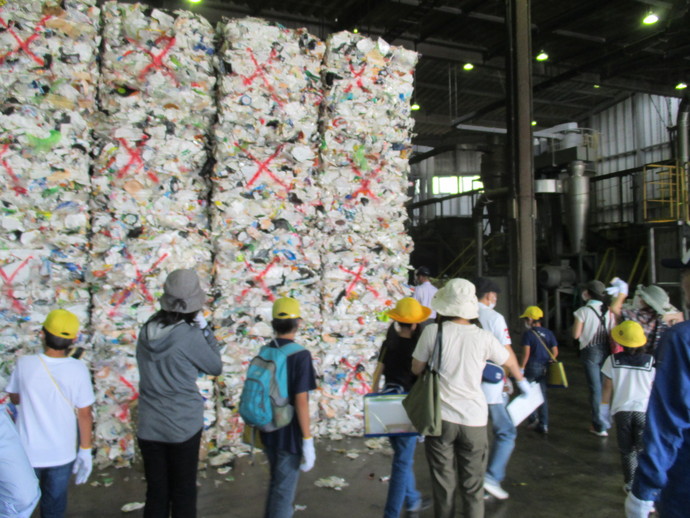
[
  {"x": 48, "y": 54},
  {"x": 149, "y": 198}
]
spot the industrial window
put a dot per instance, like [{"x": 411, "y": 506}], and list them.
[{"x": 455, "y": 184}]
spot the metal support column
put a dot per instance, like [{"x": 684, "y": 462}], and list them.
[{"x": 519, "y": 119}]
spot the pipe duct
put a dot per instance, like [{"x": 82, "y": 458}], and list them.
[{"x": 576, "y": 199}]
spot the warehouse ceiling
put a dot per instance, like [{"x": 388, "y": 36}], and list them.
[{"x": 599, "y": 52}]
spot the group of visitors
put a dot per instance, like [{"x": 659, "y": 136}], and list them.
[{"x": 54, "y": 398}]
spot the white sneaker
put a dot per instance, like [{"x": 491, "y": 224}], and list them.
[
  {"x": 602, "y": 433},
  {"x": 495, "y": 489}
]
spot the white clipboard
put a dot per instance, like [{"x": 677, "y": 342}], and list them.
[
  {"x": 522, "y": 406},
  {"x": 384, "y": 415}
]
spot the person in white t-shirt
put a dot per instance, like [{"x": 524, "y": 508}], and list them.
[
  {"x": 504, "y": 431},
  {"x": 460, "y": 450},
  {"x": 48, "y": 389},
  {"x": 424, "y": 291},
  {"x": 628, "y": 379}
]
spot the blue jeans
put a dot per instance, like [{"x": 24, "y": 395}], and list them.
[
  {"x": 283, "y": 485},
  {"x": 537, "y": 372},
  {"x": 593, "y": 357},
  {"x": 54, "y": 482},
  {"x": 504, "y": 442},
  {"x": 402, "y": 488}
]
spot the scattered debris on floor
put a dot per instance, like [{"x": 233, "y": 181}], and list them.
[
  {"x": 132, "y": 506},
  {"x": 332, "y": 482}
]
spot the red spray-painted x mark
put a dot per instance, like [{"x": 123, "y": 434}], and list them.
[
  {"x": 8, "y": 280},
  {"x": 156, "y": 59},
  {"x": 365, "y": 182},
  {"x": 135, "y": 160},
  {"x": 124, "y": 413},
  {"x": 263, "y": 166},
  {"x": 357, "y": 75},
  {"x": 260, "y": 71},
  {"x": 355, "y": 373},
  {"x": 15, "y": 179},
  {"x": 24, "y": 44},
  {"x": 259, "y": 279},
  {"x": 358, "y": 279},
  {"x": 138, "y": 281}
]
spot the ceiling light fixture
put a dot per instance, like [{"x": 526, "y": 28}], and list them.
[
  {"x": 681, "y": 86},
  {"x": 542, "y": 56},
  {"x": 650, "y": 18},
  {"x": 468, "y": 66}
]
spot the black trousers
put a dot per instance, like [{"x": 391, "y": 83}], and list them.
[
  {"x": 629, "y": 430},
  {"x": 170, "y": 470}
]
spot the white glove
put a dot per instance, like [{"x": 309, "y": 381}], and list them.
[
  {"x": 636, "y": 508},
  {"x": 605, "y": 414},
  {"x": 618, "y": 285},
  {"x": 200, "y": 321},
  {"x": 308, "y": 454},
  {"x": 83, "y": 465},
  {"x": 524, "y": 386}
]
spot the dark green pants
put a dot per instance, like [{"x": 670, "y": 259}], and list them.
[{"x": 457, "y": 459}]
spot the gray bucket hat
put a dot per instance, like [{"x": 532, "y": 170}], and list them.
[
  {"x": 596, "y": 289},
  {"x": 656, "y": 298},
  {"x": 182, "y": 292}
]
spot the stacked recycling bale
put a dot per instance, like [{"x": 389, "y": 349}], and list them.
[
  {"x": 48, "y": 67},
  {"x": 367, "y": 131},
  {"x": 264, "y": 192},
  {"x": 149, "y": 204}
]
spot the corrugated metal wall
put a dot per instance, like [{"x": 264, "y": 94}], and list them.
[{"x": 633, "y": 133}]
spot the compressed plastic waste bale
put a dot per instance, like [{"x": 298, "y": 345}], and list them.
[
  {"x": 150, "y": 189},
  {"x": 48, "y": 53},
  {"x": 270, "y": 83},
  {"x": 363, "y": 181},
  {"x": 158, "y": 65},
  {"x": 265, "y": 200}
]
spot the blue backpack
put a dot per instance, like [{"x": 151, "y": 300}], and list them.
[{"x": 264, "y": 403}]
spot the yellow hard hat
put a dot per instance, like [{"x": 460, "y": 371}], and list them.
[
  {"x": 62, "y": 323},
  {"x": 285, "y": 308},
  {"x": 409, "y": 311},
  {"x": 533, "y": 312},
  {"x": 629, "y": 334}
]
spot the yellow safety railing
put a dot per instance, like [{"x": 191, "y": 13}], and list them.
[
  {"x": 664, "y": 193},
  {"x": 465, "y": 258},
  {"x": 605, "y": 272},
  {"x": 641, "y": 263}
]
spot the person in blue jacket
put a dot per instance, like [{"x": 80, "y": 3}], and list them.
[{"x": 663, "y": 471}]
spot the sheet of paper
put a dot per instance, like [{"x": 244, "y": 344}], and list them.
[{"x": 523, "y": 405}]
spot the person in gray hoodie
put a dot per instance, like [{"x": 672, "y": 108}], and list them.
[{"x": 173, "y": 347}]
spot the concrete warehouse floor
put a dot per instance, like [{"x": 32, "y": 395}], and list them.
[{"x": 569, "y": 473}]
